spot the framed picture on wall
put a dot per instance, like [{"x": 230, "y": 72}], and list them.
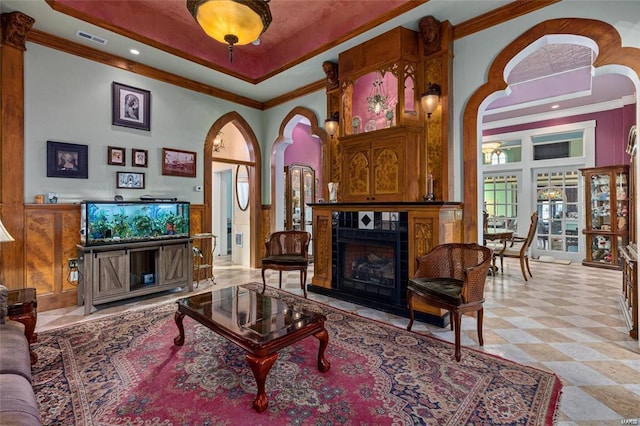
[
  {"x": 67, "y": 160},
  {"x": 176, "y": 162},
  {"x": 131, "y": 180},
  {"x": 139, "y": 157},
  {"x": 116, "y": 156},
  {"x": 131, "y": 107}
]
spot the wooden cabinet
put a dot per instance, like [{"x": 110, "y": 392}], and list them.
[
  {"x": 115, "y": 272},
  {"x": 380, "y": 166},
  {"x": 607, "y": 213},
  {"x": 300, "y": 192}
]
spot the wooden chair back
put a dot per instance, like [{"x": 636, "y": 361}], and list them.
[
  {"x": 288, "y": 243},
  {"x": 468, "y": 263}
]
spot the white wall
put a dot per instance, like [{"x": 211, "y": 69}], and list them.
[{"x": 68, "y": 99}]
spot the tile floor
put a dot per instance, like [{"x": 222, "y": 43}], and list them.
[{"x": 566, "y": 319}]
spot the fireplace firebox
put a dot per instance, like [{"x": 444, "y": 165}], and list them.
[{"x": 371, "y": 261}]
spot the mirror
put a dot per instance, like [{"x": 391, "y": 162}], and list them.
[{"x": 242, "y": 186}]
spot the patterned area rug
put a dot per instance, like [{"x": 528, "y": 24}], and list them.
[{"x": 125, "y": 369}]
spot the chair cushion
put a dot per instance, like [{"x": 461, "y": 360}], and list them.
[
  {"x": 285, "y": 259},
  {"x": 446, "y": 289},
  {"x": 19, "y": 406}
]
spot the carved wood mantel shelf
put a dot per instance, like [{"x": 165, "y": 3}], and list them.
[{"x": 413, "y": 228}]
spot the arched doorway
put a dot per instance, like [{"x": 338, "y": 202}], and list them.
[
  {"x": 254, "y": 164},
  {"x": 611, "y": 53},
  {"x": 285, "y": 138}
]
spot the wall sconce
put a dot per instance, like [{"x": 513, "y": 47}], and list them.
[
  {"x": 331, "y": 124},
  {"x": 430, "y": 99},
  {"x": 233, "y": 22},
  {"x": 218, "y": 142}
]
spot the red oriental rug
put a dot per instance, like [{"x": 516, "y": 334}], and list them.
[{"x": 125, "y": 370}]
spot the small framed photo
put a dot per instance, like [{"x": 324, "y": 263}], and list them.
[
  {"x": 116, "y": 156},
  {"x": 131, "y": 180},
  {"x": 67, "y": 160},
  {"x": 139, "y": 157},
  {"x": 178, "y": 163},
  {"x": 131, "y": 107}
]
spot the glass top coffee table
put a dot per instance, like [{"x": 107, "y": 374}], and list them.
[{"x": 257, "y": 323}]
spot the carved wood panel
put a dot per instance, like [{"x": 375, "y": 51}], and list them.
[{"x": 322, "y": 249}]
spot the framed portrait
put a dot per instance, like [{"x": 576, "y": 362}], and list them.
[
  {"x": 178, "y": 163},
  {"x": 67, "y": 160},
  {"x": 130, "y": 180},
  {"x": 116, "y": 155},
  {"x": 131, "y": 107},
  {"x": 139, "y": 157}
]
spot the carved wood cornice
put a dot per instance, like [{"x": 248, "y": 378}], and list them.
[
  {"x": 15, "y": 28},
  {"x": 498, "y": 16}
]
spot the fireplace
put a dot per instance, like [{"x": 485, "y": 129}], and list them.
[{"x": 371, "y": 261}]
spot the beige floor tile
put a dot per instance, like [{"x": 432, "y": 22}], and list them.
[
  {"x": 549, "y": 335},
  {"x": 543, "y": 352},
  {"x": 496, "y": 323},
  {"x": 609, "y": 333},
  {"x": 617, "y": 372},
  {"x": 619, "y": 399}
]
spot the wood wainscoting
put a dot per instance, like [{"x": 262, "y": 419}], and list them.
[{"x": 51, "y": 236}]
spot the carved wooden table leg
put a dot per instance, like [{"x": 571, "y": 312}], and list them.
[
  {"x": 323, "y": 337},
  {"x": 179, "y": 340},
  {"x": 260, "y": 367}
]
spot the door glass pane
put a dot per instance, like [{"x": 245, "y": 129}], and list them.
[
  {"x": 501, "y": 201},
  {"x": 558, "y": 211}
]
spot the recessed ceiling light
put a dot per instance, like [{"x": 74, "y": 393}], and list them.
[
  {"x": 556, "y": 106},
  {"x": 134, "y": 51}
]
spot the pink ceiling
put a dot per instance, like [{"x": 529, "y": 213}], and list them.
[{"x": 299, "y": 28}]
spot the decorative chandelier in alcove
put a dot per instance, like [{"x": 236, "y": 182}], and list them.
[{"x": 378, "y": 99}]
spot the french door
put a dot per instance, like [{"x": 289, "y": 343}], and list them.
[{"x": 558, "y": 197}]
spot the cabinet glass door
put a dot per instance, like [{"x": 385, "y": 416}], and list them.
[
  {"x": 600, "y": 187},
  {"x": 295, "y": 199}
]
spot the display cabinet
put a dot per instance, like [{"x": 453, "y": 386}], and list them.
[
  {"x": 607, "y": 215},
  {"x": 300, "y": 192}
]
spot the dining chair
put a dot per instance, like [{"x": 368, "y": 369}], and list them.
[
  {"x": 518, "y": 247},
  {"x": 287, "y": 251},
  {"x": 452, "y": 277}
]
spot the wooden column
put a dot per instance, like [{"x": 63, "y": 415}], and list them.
[
  {"x": 436, "y": 41},
  {"x": 15, "y": 27}
]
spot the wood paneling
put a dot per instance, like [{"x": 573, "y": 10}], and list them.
[{"x": 51, "y": 239}]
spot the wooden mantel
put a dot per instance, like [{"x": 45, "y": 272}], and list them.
[{"x": 428, "y": 224}]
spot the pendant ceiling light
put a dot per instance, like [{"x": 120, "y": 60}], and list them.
[{"x": 233, "y": 22}]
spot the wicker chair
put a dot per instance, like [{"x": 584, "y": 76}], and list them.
[
  {"x": 287, "y": 251},
  {"x": 521, "y": 248},
  {"x": 452, "y": 277}
]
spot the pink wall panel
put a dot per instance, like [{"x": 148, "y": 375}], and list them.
[
  {"x": 305, "y": 149},
  {"x": 612, "y": 130}
]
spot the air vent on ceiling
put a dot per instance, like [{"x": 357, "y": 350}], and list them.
[{"x": 91, "y": 37}]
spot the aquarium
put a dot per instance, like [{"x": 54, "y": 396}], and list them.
[{"x": 108, "y": 222}]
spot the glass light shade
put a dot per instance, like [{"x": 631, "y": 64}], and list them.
[
  {"x": 246, "y": 20},
  {"x": 331, "y": 126},
  {"x": 430, "y": 99},
  {"x": 4, "y": 234}
]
